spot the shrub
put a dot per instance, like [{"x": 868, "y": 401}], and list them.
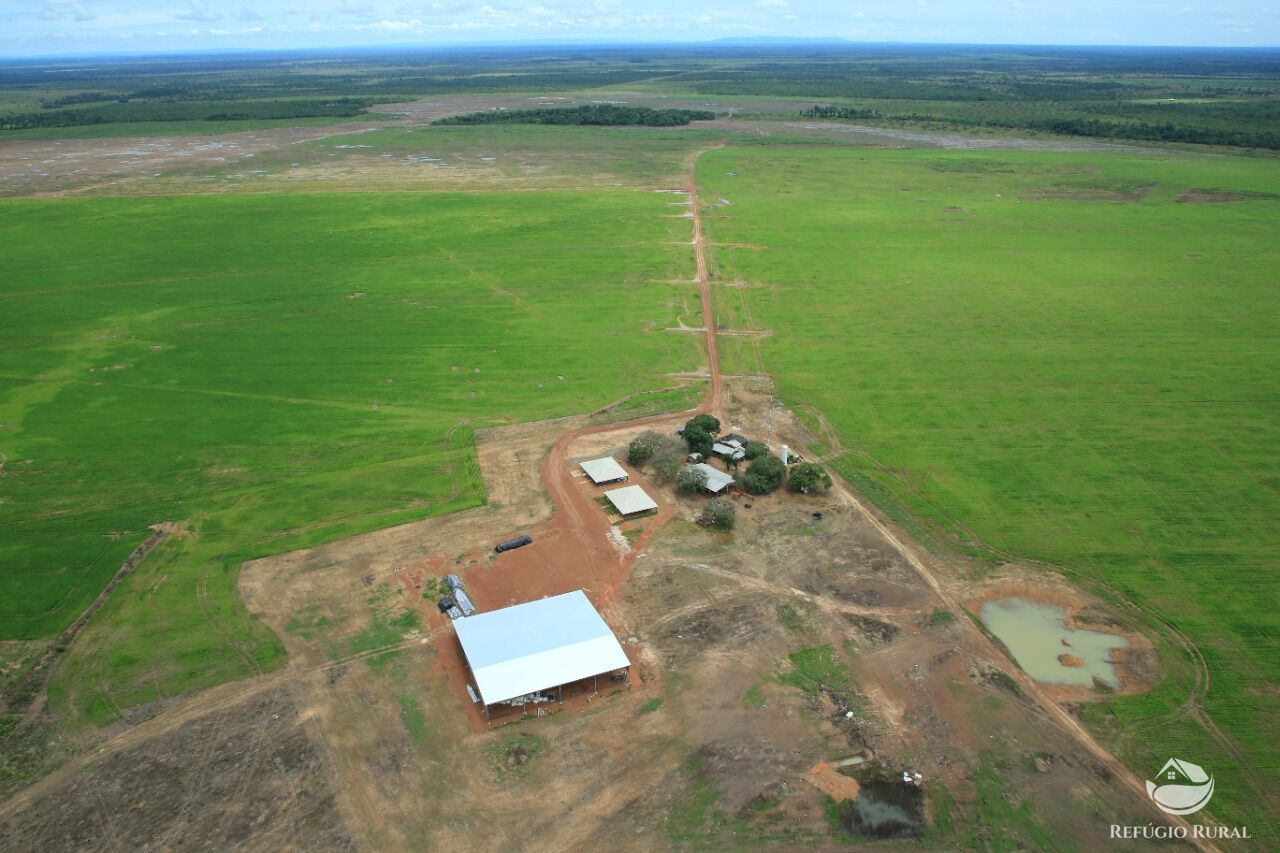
[
  {"x": 756, "y": 449},
  {"x": 809, "y": 477},
  {"x": 764, "y": 475},
  {"x": 718, "y": 513},
  {"x": 691, "y": 481}
]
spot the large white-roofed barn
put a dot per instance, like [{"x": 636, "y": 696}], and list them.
[{"x": 525, "y": 654}]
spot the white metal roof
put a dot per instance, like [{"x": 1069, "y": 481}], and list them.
[
  {"x": 605, "y": 470},
  {"x": 538, "y": 645},
  {"x": 716, "y": 479},
  {"x": 630, "y": 499},
  {"x": 733, "y": 451}
]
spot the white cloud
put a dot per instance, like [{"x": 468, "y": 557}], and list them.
[
  {"x": 58, "y": 10},
  {"x": 247, "y": 14},
  {"x": 198, "y": 10}
]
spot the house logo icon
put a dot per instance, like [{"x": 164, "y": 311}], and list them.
[{"x": 1181, "y": 787}]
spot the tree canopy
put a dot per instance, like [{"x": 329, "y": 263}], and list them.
[
  {"x": 718, "y": 513},
  {"x": 808, "y": 477},
  {"x": 589, "y": 114},
  {"x": 691, "y": 481},
  {"x": 764, "y": 475}
]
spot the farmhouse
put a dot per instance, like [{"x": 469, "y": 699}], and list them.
[
  {"x": 603, "y": 470},
  {"x": 728, "y": 451},
  {"x": 732, "y": 446},
  {"x": 630, "y": 500},
  {"x": 525, "y": 654},
  {"x": 717, "y": 480}
]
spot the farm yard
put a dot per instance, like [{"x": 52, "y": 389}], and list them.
[
  {"x": 272, "y": 390},
  {"x": 1007, "y": 350}
]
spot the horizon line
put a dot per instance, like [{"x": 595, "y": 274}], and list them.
[{"x": 777, "y": 42}]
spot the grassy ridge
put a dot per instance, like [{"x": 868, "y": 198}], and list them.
[
  {"x": 1053, "y": 356},
  {"x": 277, "y": 371}
]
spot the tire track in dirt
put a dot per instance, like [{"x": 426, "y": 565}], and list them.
[{"x": 221, "y": 699}]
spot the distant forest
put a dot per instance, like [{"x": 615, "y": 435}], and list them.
[
  {"x": 1166, "y": 131},
  {"x": 145, "y": 111},
  {"x": 592, "y": 114},
  {"x": 1228, "y": 97}
]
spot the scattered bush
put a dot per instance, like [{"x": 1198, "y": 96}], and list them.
[
  {"x": 718, "y": 513},
  {"x": 691, "y": 481},
  {"x": 764, "y": 475},
  {"x": 808, "y": 477}
]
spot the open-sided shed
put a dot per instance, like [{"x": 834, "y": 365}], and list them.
[
  {"x": 631, "y": 500},
  {"x": 521, "y": 654},
  {"x": 603, "y": 470}
]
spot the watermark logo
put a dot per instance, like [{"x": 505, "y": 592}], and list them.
[{"x": 1181, "y": 787}]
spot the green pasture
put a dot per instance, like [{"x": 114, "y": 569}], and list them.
[
  {"x": 275, "y": 371},
  {"x": 1047, "y": 356}
]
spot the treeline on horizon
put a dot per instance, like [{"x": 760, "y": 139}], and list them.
[
  {"x": 167, "y": 111},
  {"x": 1088, "y": 127},
  {"x": 613, "y": 115}
]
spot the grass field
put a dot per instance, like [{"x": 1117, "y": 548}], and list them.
[
  {"x": 281, "y": 370},
  {"x": 1047, "y": 356}
]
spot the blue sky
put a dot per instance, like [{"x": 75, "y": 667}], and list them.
[{"x": 29, "y": 27}]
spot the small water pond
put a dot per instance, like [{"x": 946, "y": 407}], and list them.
[{"x": 1037, "y": 637}]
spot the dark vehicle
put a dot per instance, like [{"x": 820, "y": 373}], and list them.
[
  {"x": 512, "y": 544},
  {"x": 449, "y": 608}
]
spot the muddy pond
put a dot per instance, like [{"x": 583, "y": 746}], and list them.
[{"x": 1046, "y": 649}]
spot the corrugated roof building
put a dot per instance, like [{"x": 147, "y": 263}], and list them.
[
  {"x": 603, "y": 470},
  {"x": 537, "y": 646},
  {"x": 631, "y": 500}
]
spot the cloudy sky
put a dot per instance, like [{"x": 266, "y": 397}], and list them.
[{"x": 34, "y": 27}]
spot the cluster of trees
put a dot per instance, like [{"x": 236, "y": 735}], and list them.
[
  {"x": 766, "y": 473},
  {"x": 593, "y": 114},
  {"x": 664, "y": 452},
  {"x": 140, "y": 111}
]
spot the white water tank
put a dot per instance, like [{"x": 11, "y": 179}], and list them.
[{"x": 784, "y": 454}]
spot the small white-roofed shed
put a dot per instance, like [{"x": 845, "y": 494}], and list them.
[
  {"x": 631, "y": 500},
  {"x": 603, "y": 470}
]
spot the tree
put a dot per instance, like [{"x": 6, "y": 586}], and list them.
[
  {"x": 808, "y": 477},
  {"x": 718, "y": 513},
  {"x": 691, "y": 480},
  {"x": 698, "y": 440},
  {"x": 764, "y": 475},
  {"x": 639, "y": 451},
  {"x": 706, "y": 423},
  {"x": 648, "y": 446},
  {"x": 756, "y": 449},
  {"x": 667, "y": 462}
]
